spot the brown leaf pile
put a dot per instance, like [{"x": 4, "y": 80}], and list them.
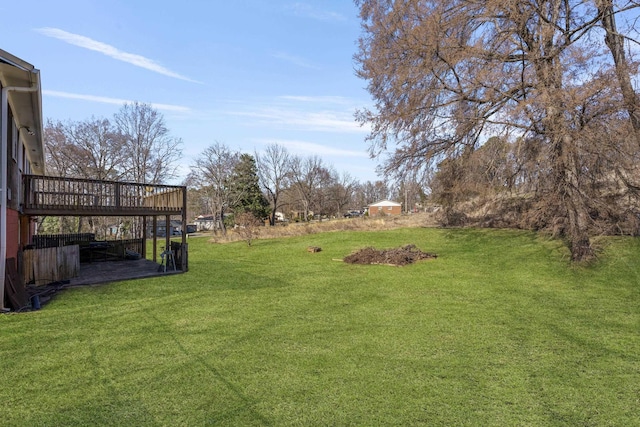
[{"x": 398, "y": 256}]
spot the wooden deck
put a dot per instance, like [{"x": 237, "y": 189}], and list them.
[
  {"x": 62, "y": 196},
  {"x": 59, "y": 196}
]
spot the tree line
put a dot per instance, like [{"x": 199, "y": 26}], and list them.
[
  {"x": 226, "y": 183},
  {"x": 135, "y": 145}
]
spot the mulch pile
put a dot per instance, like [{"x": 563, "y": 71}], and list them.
[{"x": 398, "y": 256}]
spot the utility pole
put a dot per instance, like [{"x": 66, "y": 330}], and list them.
[{"x": 406, "y": 200}]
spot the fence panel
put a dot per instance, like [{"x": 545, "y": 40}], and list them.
[
  {"x": 54, "y": 240},
  {"x": 48, "y": 265}
]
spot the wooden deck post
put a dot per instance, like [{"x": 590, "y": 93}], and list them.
[
  {"x": 183, "y": 249},
  {"x": 154, "y": 224},
  {"x": 144, "y": 237},
  {"x": 167, "y": 233},
  {"x": 117, "y": 194}
]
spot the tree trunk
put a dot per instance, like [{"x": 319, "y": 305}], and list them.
[
  {"x": 219, "y": 222},
  {"x": 566, "y": 193},
  {"x": 578, "y": 235},
  {"x": 305, "y": 206},
  {"x": 615, "y": 43}
]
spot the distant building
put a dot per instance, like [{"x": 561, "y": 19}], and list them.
[
  {"x": 204, "y": 222},
  {"x": 175, "y": 227},
  {"x": 385, "y": 207}
]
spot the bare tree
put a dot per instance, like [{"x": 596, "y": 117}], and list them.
[
  {"x": 57, "y": 147},
  {"x": 59, "y": 163},
  {"x": 448, "y": 75},
  {"x": 411, "y": 194},
  {"x": 211, "y": 174},
  {"x": 88, "y": 149},
  {"x": 152, "y": 153},
  {"x": 372, "y": 192},
  {"x": 321, "y": 202},
  {"x": 340, "y": 191},
  {"x": 274, "y": 171},
  {"x": 248, "y": 227},
  {"x": 307, "y": 175},
  {"x": 197, "y": 199}
]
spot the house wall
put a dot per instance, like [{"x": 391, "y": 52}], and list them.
[
  {"x": 21, "y": 126},
  {"x": 17, "y": 164},
  {"x": 19, "y": 229},
  {"x": 384, "y": 210},
  {"x": 14, "y": 184},
  {"x": 14, "y": 167}
]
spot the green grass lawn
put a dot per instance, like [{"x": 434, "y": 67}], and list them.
[{"x": 499, "y": 330}]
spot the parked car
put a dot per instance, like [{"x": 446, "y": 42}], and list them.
[{"x": 352, "y": 214}]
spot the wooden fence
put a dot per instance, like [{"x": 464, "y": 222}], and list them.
[
  {"x": 111, "y": 250},
  {"x": 54, "y": 240},
  {"x": 48, "y": 265},
  {"x": 54, "y": 258},
  {"x": 134, "y": 245},
  {"x": 117, "y": 247}
]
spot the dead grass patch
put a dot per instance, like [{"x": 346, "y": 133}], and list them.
[{"x": 346, "y": 224}]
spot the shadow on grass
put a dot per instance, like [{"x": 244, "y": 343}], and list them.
[{"x": 247, "y": 404}]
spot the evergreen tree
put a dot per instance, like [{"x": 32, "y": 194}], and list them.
[{"x": 246, "y": 188}]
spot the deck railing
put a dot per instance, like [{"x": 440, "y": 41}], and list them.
[{"x": 71, "y": 196}]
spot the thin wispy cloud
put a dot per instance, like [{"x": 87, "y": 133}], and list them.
[
  {"x": 341, "y": 100},
  {"x": 114, "y": 101},
  {"x": 284, "y": 118},
  {"x": 295, "y": 60},
  {"x": 111, "y": 51},
  {"x": 305, "y": 147},
  {"x": 333, "y": 114},
  {"x": 309, "y": 11}
]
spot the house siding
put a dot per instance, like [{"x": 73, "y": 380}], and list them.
[
  {"x": 384, "y": 209},
  {"x": 14, "y": 169}
]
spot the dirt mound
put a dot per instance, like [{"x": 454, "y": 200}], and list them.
[{"x": 398, "y": 256}]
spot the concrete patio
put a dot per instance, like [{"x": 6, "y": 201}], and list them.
[{"x": 97, "y": 273}]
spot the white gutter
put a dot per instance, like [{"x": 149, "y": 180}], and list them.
[{"x": 4, "y": 119}]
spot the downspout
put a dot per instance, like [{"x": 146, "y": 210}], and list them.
[{"x": 4, "y": 105}]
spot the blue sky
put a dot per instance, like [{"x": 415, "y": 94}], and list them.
[{"x": 246, "y": 73}]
